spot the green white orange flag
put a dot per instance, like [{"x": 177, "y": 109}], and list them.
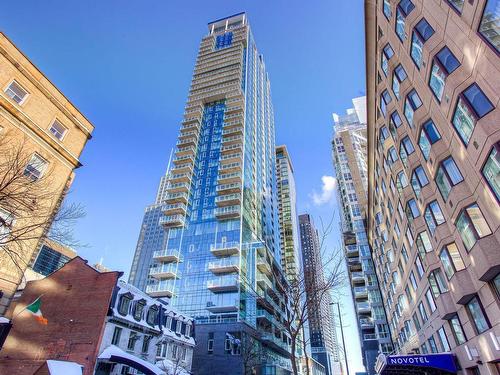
[{"x": 34, "y": 308}]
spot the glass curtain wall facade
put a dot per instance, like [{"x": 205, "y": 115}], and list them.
[
  {"x": 151, "y": 241},
  {"x": 221, "y": 261},
  {"x": 349, "y": 158},
  {"x": 434, "y": 214},
  {"x": 322, "y": 327}
]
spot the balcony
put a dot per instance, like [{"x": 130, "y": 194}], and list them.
[
  {"x": 229, "y": 159},
  {"x": 231, "y": 149},
  {"x": 352, "y": 251},
  {"x": 186, "y": 151},
  {"x": 227, "y": 212},
  {"x": 237, "y": 122},
  {"x": 165, "y": 272},
  {"x": 228, "y": 178},
  {"x": 263, "y": 265},
  {"x": 276, "y": 343},
  {"x": 228, "y": 200},
  {"x": 172, "y": 221},
  {"x": 182, "y": 168},
  {"x": 354, "y": 264},
  {"x": 188, "y": 134},
  {"x": 177, "y": 198},
  {"x": 168, "y": 255},
  {"x": 264, "y": 282},
  {"x": 223, "y": 284},
  {"x": 363, "y": 307},
  {"x": 225, "y": 265},
  {"x": 234, "y": 109},
  {"x": 357, "y": 277},
  {"x": 235, "y": 130},
  {"x": 174, "y": 208},
  {"x": 360, "y": 292},
  {"x": 179, "y": 177},
  {"x": 225, "y": 248},
  {"x": 178, "y": 187},
  {"x": 194, "y": 120},
  {"x": 225, "y": 308},
  {"x": 231, "y": 167},
  {"x": 187, "y": 159},
  {"x": 188, "y": 141},
  {"x": 366, "y": 323},
  {"x": 228, "y": 188},
  {"x": 232, "y": 140},
  {"x": 162, "y": 289}
]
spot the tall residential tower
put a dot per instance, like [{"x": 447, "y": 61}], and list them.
[
  {"x": 322, "y": 330},
  {"x": 433, "y": 86},
  {"x": 221, "y": 262},
  {"x": 349, "y": 157}
]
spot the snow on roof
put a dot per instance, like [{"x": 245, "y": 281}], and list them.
[
  {"x": 114, "y": 351},
  {"x": 4, "y": 320},
  {"x": 171, "y": 368},
  {"x": 178, "y": 337},
  {"x": 64, "y": 368}
]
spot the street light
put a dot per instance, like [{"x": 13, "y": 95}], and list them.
[{"x": 342, "y": 334}]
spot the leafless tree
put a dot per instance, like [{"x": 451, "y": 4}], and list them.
[
  {"x": 31, "y": 206},
  {"x": 251, "y": 353}
]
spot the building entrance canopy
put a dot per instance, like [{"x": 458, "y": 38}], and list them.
[
  {"x": 114, "y": 354},
  {"x": 417, "y": 364}
]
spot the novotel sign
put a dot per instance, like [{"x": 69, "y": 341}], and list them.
[{"x": 442, "y": 361}]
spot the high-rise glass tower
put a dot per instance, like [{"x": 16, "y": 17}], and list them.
[
  {"x": 287, "y": 204},
  {"x": 322, "y": 331},
  {"x": 349, "y": 157},
  {"x": 221, "y": 261},
  {"x": 152, "y": 240}
]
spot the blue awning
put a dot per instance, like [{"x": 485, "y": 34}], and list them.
[{"x": 429, "y": 363}]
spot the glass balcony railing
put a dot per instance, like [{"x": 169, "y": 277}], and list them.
[
  {"x": 162, "y": 289},
  {"x": 168, "y": 255},
  {"x": 224, "y": 265},
  {"x": 165, "y": 271},
  {"x": 172, "y": 221},
  {"x": 228, "y": 283},
  {"x": 225, "y": 248}
]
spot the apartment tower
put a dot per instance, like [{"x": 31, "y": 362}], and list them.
[
  {"x": 433, "y": 84},
  {"x": 221, "y": 263},
  {"x": 322, "y": 330},
  {"x": 287, "y": 209},
  {"x": 349, "y": 158},
  {"x": 42, "y": 137}
]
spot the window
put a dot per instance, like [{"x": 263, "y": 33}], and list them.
[
  {"x": 178, "y": 327},
  {"x": 430, "y": 300},
  {"x": 419, "y": 267},
  {"x": 491, "y": 170},
  {"x": 124, "y": 305},
  {"x": 16, "y": 92},
  {"x": 401, "y": 181},
  {"x": 412, "y": 103},
  {"x": 58, "y": 130},
  {"x": 403, "y": 9},
  {"x": 444, "y": 64},
  {"x": 6, "y": 223},
  {"x": 447, "y": 176},
  {"x": 443, "y": 339},
  {"x": 477, "y": 315},
  {"x": 458, "y": 332},
  {"x": 406, "y": 148},
  {"x": 35, "y": 168},
  {"x": 457, "y": 4},
  {"x": 116, "y": 336},
  {"x": 423, "y": 243},
  {"x": 412, "y": 211},
  {"x": 131, "y": 340},
  {"x": 433, "y": 216},
  {"x": 490, "y": 24},
  {"x": 422, "y": 312},
  {"x": 451, "y": 260},
  {"x": 437, "y": 282},
  {"x": 145, "y": 343},
  {"x": 152, "y": 315},
  {"x": 394, "y": 123},
  {"x": 385, "y": 99},
  {"x": 416, "y": 322},
  {"x": 404, "y": 253},
  {"x": 398, "y": 77},
  {"x": 413, "y": 281},
  {"x": 393, "y": 155},
  {"x": 472, "y": 226},
  {"x": 386, "y": 55},
  {"x": 386, "y": 7},
  {"x": 432, "y": 345},
  {"x": 418, "y": 180},
  {"x": 428, "y": 136},
  {"x": 421, "y": 33},
  {"x": 210, "y": 343},
  {"x": 139, "y": 308},
  {"x": 472, "y": 105}
]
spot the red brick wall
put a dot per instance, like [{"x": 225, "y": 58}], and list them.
[{"x": 75, "y": 301}]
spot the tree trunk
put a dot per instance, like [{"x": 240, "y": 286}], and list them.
[{"x": 293, "y": 359}]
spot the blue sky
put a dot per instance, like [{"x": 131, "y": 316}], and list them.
[{"x": 127, "y": 66}]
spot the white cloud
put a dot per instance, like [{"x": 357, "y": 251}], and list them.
[{"x": 327, "y": 191}]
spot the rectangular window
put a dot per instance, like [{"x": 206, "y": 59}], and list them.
[
  {"x": 491, "y": 170},
  {"x": 423, "y": 243},
  {"x": 398, "y": 77},
  {"x": 412, "y": 211},
  {"x": 489, "y": 27},
  {"x": 432, "y": 345},
  {"x": 443, "y": 339},
  {"x": 433, "y": 216},
  {"x": 428, "y": 136},
  {"x": 16, "y": 92},
  {"x": 444, "y": 64},
  {"x": 457, "y": 5},
  {"x": 447, "y": 176},
  {"x": 472, "y": 225},
  {"x": 35, "y": 168},
  {"x": 458, "y": 332},
  {"x": 145, "y": 343},
  {"x": 419, "y": 267},
  {"x": 394, "y": 123},
  {"x": 386, "y": 7},
  {"x": 210, "y": 343},
  {"x": 416, "y": 322},
  {"x": 116, "y": 336},
  {"x": 418, "y": 180},
  {"x": 131, "y": 340},
  {"x": 386, "y": 55},
  {"x": 422, "y": 312},
  {"x": 421, "y": 33},
  {"x": 401, "y": 181},
  {"x": 451, "y": 260},
  {"x": 58, "y": 130},
  {"x": 471, "y": 106},
  {"x": 400, "y": 25},
  {"x": 412, "y": 103},
  {"x": 385, "y": 99},
  {"x": 477, "y": 315},
  {"x": 437, "y": 282}
]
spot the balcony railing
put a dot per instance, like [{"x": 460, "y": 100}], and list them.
[
  {"x": 229, "y": 178},
  {"x": 172, "y": 221},
  {"x": 168, "y": 255},
  {"x": 221, "y": 284},
  {"x": 177, "y": 197},
  {"x": 263, "y": 265},
  {"x": 227, "y": 212},
  {"x": 225, "y": 265},
  {"x": 363, "y": 307},
  {"x": 165, "y": 271},
  {"x": 228, "y": 188},
  {"x": 228, "y": 200},
  {"x": 174, "y": 208},
  {"x": 162, "y": 289},
  {"x": 263, "y": 281},
  {"x": 225, "y": 248}
]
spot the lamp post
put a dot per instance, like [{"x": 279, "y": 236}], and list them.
[{"x": 342, "y": 334}]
